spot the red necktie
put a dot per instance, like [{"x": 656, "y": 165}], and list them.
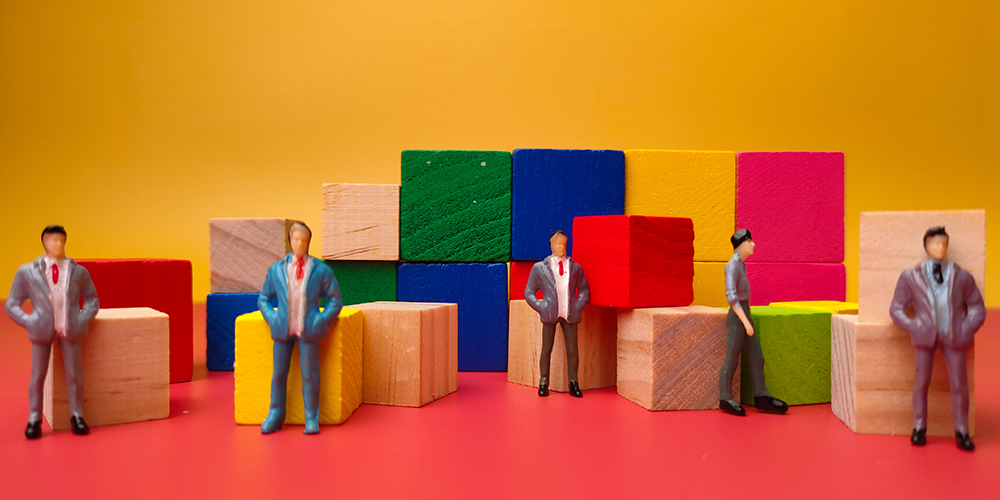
[
  {"x": 55, "y": 274},
  {"x": 560, "y": 268},
  {"x": 299, "y": 272}
]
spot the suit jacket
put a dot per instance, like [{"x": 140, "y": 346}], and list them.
[
  {"x": 964, "y": 302},
  {"x": 548, "y": 308},
  {"x": 30, "y": 284},
  {"x": 320, "y": 282}
]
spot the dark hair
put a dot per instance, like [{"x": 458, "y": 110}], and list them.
[
  {"x": 53, "y": 229},
  {"x": 935, "y": 231},
  {"x": 558, "y": 231},
  {"x": 296, "y": 224},
  {"x": 739, "y": 237}
]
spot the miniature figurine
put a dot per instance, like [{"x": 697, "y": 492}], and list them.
[
  {"x": 739, "y": 324},
  {"x": 56, "y": 286},
  {"x": 947, "y": 311},
  {"x": 564, "y": 295},
  {"x": 298, "y": 282}
]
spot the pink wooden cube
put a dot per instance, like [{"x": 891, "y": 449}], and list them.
[{"x": 795, "y": 281}]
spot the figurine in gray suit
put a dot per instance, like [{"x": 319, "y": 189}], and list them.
[
  {"x": 564, "y": 295},
  {"x": 947, "y": 311},
  {"x": 297, "y": 282},
  {"x": 56, "y": 286}
]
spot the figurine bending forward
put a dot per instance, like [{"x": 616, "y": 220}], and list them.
[
  {"x": 565, "y": 293},
  {"x": 298, "y": 282},
  {"x": 56, "y": 286},
  {"x": 948, "y": 310}
]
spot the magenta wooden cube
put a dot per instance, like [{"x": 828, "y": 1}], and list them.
[
  {"x": 795, "y": 281},
  {"x": 793, "y": 204}
]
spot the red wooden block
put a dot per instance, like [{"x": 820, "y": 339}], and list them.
[
  {"x": 636, "y": 261},
  {"x": 519, "y": 272},
  {"x": 795, "y": 281},
  {"x": 161, "y": 284},
  {"x": 793, "y": 205}
]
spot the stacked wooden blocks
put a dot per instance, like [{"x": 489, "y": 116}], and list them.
[
  {"x": 410, "y": 352},
  {"x": 126, "y": 370},
  {"x": 873, "y": 360},
  {"x": 793, "y": 205},
  {"x": 161, "y": 284},
  {"x": 340, "y": 358}
]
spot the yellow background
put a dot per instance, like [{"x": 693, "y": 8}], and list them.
[{"x": 134, "y": 122}]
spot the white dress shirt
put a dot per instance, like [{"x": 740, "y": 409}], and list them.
[
  {"x": 562, "y": 284},
  {"x": 297, "y": 296},
  {"x": 57, "y": 293}
]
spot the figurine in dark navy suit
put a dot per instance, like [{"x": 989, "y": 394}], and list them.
[{"x": 297, "y": 283}]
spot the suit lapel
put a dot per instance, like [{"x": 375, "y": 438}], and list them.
[
  {"x": 283, "y": 279},
  {"x": 40, "y": 283}
]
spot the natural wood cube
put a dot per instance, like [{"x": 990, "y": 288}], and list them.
[
  {"x": 669, "y": 357},
  {"x": 872, "y": 372},
  {"x": 361, "y": 221},
  {"x": 241, "y": 250},
  {"x": 126, "y": 370},
  {"x": 892, "y": 242},
  {"x": 595, "y": 336},
  {"x": 410, "y": 352}
]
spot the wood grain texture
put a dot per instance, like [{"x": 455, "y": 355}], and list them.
[
  {"x": 360, "y": 222},
  {"x": 696, "y": 184},
  {"x": 793, "y": 204},
  {"x": 794, "y": 281},
  {"x": 241, "y": 250},
  {"x": 709, "y": 284},
  {"x": 410, "y": 352},
  {"x": 892, "y": 242},
  {"x": 126, "y": 370},
  {"x": 596, "y": 336},
  {"x": 340, "y": 358},
  {"x": 872, "y": 381},
  {"x": 829, "y": 306},
  {"x": 455, "y": 206},
  {"x": 669, "y": 358}
]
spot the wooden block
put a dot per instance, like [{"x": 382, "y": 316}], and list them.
[
  {"x": 596, "y": 342},
  {"x": 872, "y": 381},
  {"x": 552, "y": 186},
  {"x": 221, "y": 311},
  {"x": 793, "y": 204},
  {"x": 828, "y": 306},
  {"x": 669, "y": 357},
  {"x": 480, "y": 290},
  {"x": 365, "y": 281},
  {"x": 126, "y": 370},
  {"x": 160, "y": 284},
  {"x": 795, "y": 281},
  {"x": 360, "y": 222},
  {"x": 636, "y": 261},
  {"x": 696, "y": 184},
  {"x": 519, "y": 273},
  {"x": 710, "y": 284},
  {"x": 340, "y": 361},
  {"x": 410, "y": 352},
  {"x": 241, "y": 251},
  {"x": 892, "y": 242},
  {"x": 455, "y": 206},
  {"x": 796, "y": 345}
]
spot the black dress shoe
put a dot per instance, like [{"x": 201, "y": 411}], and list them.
[
  {"x": 964, "y": 441},
  {"x": 918, "y": 437},
  {"x": 78, "y": 425},
  {"x": 770, "y": 404},
  {"x": 732, "y": 407},
  {"x": 543, "y": 389},
  {"x": 34, "y": 430},
  {"x": 574, "y": 389}
]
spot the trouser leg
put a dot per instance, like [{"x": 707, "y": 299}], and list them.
[
  {"x": 73, "y": 363},
  {"x": 279, "y": 377},
  {"x": 734, "y": 342},
  {"x": 959, "y": 382},
  {"x": 309, "y": 361},
  {"x": 572, "y": 351},
  {"x": 755, "y": 358},
  {"x": 548, "y": 338},
  {"x": 924, "y": 362},
  {"x": 39, "y": 368}
]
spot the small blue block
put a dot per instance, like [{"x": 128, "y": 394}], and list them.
[
  {"x": 221, "y": 310},
  {"x": 480, "y": 290},
  {"x": 551, "y": 186}
]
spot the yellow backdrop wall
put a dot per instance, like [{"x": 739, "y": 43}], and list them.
[{"x": 134, "y": 122}]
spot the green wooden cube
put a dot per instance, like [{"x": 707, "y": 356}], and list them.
[
  {"x": 455, "y": 206},
  {"x": 365, "y": 281},
  {"x": 796, "y": 345}
]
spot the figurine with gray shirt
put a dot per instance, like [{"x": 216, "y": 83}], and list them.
[{"x": 739, "y": 324}]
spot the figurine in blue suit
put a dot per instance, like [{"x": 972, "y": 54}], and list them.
[{"x": 297, "y": 283}]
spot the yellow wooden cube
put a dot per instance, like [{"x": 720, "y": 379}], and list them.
[
  {"x": 340, "y": 371},
  {"x": 709, "y": 284},
  {"x": 829, "y": 306},
  {"x": 700, "y": 185}
]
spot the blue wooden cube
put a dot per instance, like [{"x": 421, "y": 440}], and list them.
[
  {"x": 551, "y": 186},
  {"x": 221, "y": 310},
  {"x": 480, "y": 290}
]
